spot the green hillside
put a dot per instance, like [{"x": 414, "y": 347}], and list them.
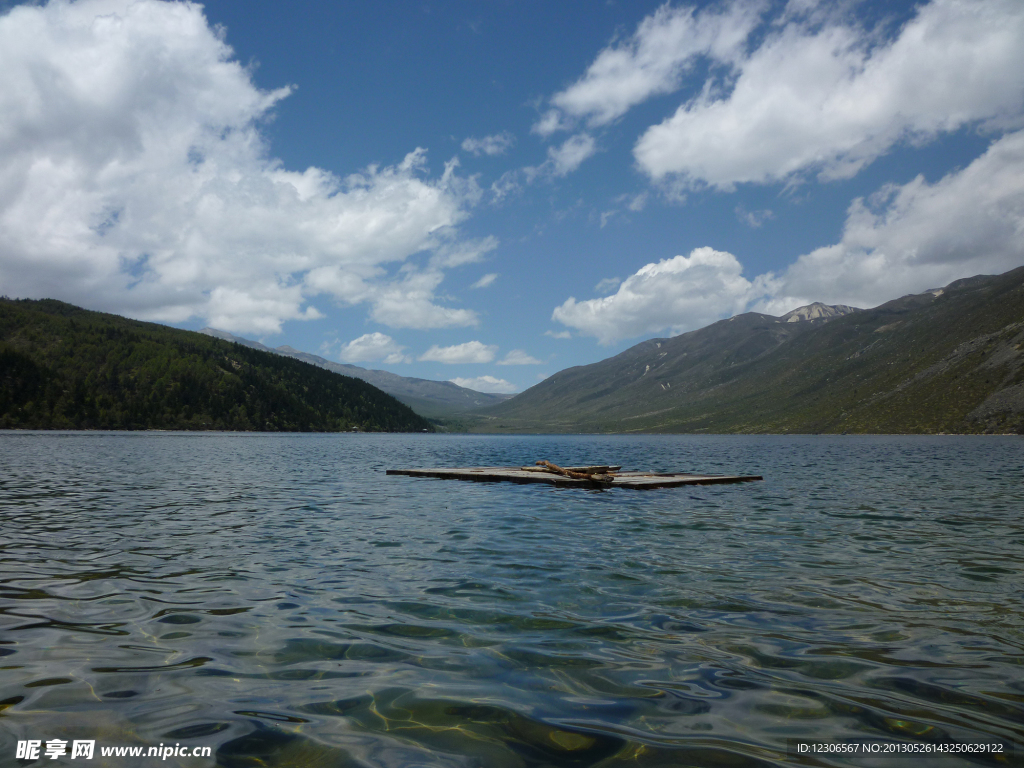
[
  {"x": 943, "y": 361},
  {"x": 62, "y": 367}
]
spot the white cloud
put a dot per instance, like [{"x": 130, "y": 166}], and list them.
[
  {"x": 607, "y": 285},
  {"x": 258, "y": 308},
  {"x": 464, "y": 252},
  {"x": 753, "y": 219},
  {"x": 676, "y": 294},
  {"x": 485, "y": 281},
  {"x": 507, "y": 185},
  {"x": 519, "y": 357},
  {"x": 567, "y": 157},
  {"x": 906, "y": 239},
  {"x": 558, "y": 334},
  {"x": 561, "y": 161},
  {"x": 470, "y": 352},
  {"x": 410, "y": 304},
  {"x": 498, "y": 144},
  {"x": 549, "y": 122},
  {"x": 487, "y": 384},
  {"x": 652, "y": 61},
  {"x": 405, "y": 302},
  {"x": 134, "y": 178},
  {"x": 831, "y": 98},
  {"x": 372, "y": 348},
  {"x": 636, "y": 202},
  {"x": 903, "y": 239}
]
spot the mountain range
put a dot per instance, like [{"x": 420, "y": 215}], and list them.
[
  {"x": 947, "y": 360},
  {"x": 440, "y": 400}
]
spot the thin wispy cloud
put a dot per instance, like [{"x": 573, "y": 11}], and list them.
[
  {"x": 754, "y": 219},
  {"x": 458, "y": 354},
  {"x": 485, "y": 281},
  {"x": 519, "y": 357},
  {"x": 490, "y": 384},
  {"x": 497, "y": 144}
]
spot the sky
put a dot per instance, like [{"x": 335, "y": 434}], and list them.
[{"x": 492, "y": 192}]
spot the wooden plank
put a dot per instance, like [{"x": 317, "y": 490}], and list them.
[{"x": 638, "y": 480}]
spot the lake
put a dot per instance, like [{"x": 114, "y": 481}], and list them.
[{"x": 278, "y": 599}]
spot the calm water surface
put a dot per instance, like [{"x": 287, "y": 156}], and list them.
[{"x": 281, "y": 600}]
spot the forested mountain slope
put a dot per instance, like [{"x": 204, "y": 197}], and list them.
[{"x": 63, "y": 367}]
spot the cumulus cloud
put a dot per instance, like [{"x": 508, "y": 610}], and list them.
[
  {"x": 485, "y": 281},
  {"x": 489, "y": 384},
  {"x": 830, "y": 98},
  {"x": 676, "y": 294},
  {"x": 906, "y": 239},
  {"x": 498, "y": 144},
  {"x": 134, "y": 178},
  {"x": 470, "y": 352},
  {"x": 903, "y": 239},
  {"x": 652, "y": 61},
  {"x": 409, "y": 303},
  {"x": 798, "y": 91},
  {"x": 519, "y": 357},
  {"x": 372, "y": 348}
]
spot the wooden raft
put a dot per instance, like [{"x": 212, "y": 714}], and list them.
[{"x": 580, "y": 477}]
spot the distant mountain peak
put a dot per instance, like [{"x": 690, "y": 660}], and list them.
[
  {"x": 818, "y": 311},
  {"x": 436, "y": 399},
  {"x": 218, "y": 334}
]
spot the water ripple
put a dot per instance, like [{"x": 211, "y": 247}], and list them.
[{"x": 279, "y": 599}]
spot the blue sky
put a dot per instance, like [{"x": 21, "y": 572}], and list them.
[{"x": 491, "y": 192}]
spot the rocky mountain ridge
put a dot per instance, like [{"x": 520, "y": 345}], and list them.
[{"x": 818, "y": 311}]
